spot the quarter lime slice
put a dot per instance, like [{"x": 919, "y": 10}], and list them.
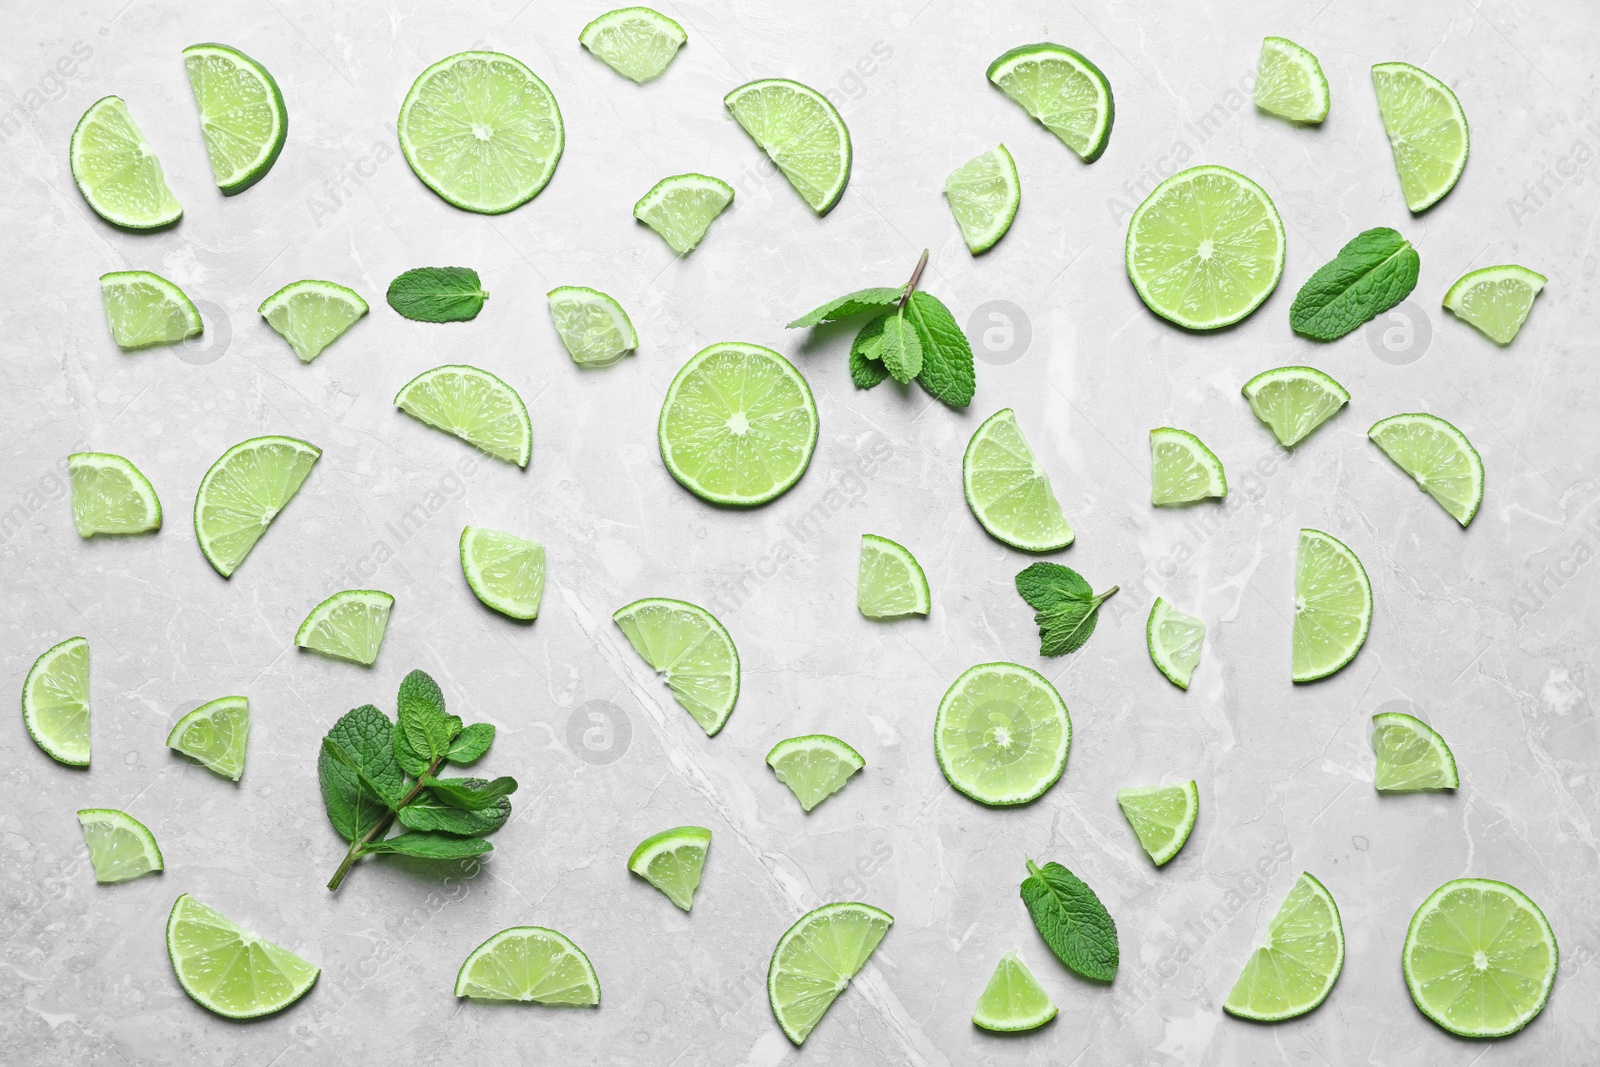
[
  {"x": 801, "y": 132},
  {"x": 1332, "y": 606},
  {"x": 593, "y": 327},
  {"x": 691, "y": 650},
  {"x": 672, "y": 861},
  {"x": 120, "y": 846},
  {"x": 482, "y": 131},
  {"x": 890, "y": 583},
  {"x": 241, "y": 114},
  {"x": 815, "y": 960},
  {"x": 1290, "y": 83},
  {"x": 1162, "y": 816},
  {"x": 215, "y": 734},
  {"x": 505, "y": 571},
  {"x": 681, "y": 208},
  {"x": 474, "y": 405},
  {"x": 243, "y": 493},
  {"x": 230, "y": 970},
  {"x": 1293, "y": 401},
  {"x": 145, "y": 309},
  {"x": 636, "y": 42},
  {"x": 1063, "y": 90},
  {"x": 1298, "y": 960},
  {"x": 1182, "y": 469},
  {"x": 117, "y": 171},
  {"x": 349, "y": 625},
  {"x": 1438, "y": 457},
  {"x": 55, "y": 702},
  {"x": 529, "y": 964},
  {"x": 984, "y": 193},
  {"x": 814, "y": 767},
  {"x": 1013, "y": 1000},
  {"x": 1008, "y": 491},
  {"x": 1174, "y": 640},
  {"x": 1411, "y": 755},
  {"x": 1427, "y": 131},
  {"x": 311, "y": 315},
  {"x": 111, "y": 496},
  {"x": 1205, "y": 248},
  {"x": 1002, "y": 733},
  {"x": 1495, "y": 299}
]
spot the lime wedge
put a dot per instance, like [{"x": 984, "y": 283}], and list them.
[
  {"x": 1063, "y": 90},
  {"x": 1427, "y": 131},
  {"x": 636, "y": 42},
  {"x": 672, "y": 861},
  {"x": 1182, "y": 469},
  {"x": 230, "y": 970},
  {"x": 1008, "y": 491},
  {"x": 145, "y": 309},
  {"x": 1293, "y": 401},
  {"x": 1411, "y": 755},
  {"x": 691, "y": 650},
  {"x": 1332, "y": 606},
  {"x": 984, "y": 193},
  {"x": 311, "y": 315},
  {"x": 1205, "y": 248},
  {"x": 117, "y": 171},
  {"x": 529, "y": 964},
  {"x": 814, "y": 767},
  {"x": 681, "y": 208},
  {"x": 55, "y": 702},
  {"x": 815, "y": 960},
  {"x": 1495, "y": 299},
  {"x": 505, "y": 571},
  {"x": 1002, "y": 733},
  {"x": 593, "y": 327},
  {"x": 482, "y": 131},
  {"x": 1162, "y": 816},
  {"x": 1290, "y": 84},
  {"x": 1174, "y": 641},
  {"x": 349, "y": 625},
  {"x": 1298, "y": 961},
  {"x": 244, "y": 491},
  {"x": 1480, "y": 958},
  {"x": 1438, "y": 457},
  {"x": 241, "y": 114},
  {"x": 216, "y": 735},
  {"x": 120, "y": 846},
  {"x": 738, "y": 425},
  {"x": 110, "y": 496},
  {"x": 800, "y": 132},
  {"x": 474, "y": 405},
  {"x": 890, "y": 583},
  {"x": 1013, "y": 1000}
]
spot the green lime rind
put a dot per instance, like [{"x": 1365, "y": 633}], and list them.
[
  {"x": 55, "y": 702},
  {"x": 1298, "y": 961},
  {"x": 504, "y": 571},
  {"x": 984, "y": 194},
  {"x": 1410, "y": 755},
  {"x": 312, "y": 314},
  {"x": 243, "y": 493},
  {"x": 216, "y": 734},
  {"x": 1427, "y": 132},
  {"x": 1333, "y": 606},
  {"x": 1008, "y": 491},
  {"x": 1002, "y": 734},
  {"x": 1495, "y": 300},
  {"x": 539, "y": 966},
  {"x": 672, "y": 861},
  {"x": 243, "y": 136},
  {"x": 1290, "y": 83},
  {"x": 1294, "y": 401},
  {"x": 890, "y": 583},
  {"x": 229, "y": 970},
  {"x": 144, "y": 309},
  {"x": 121, "y": 847},
  {"x": 637, "y": 42},
  {"x": 111, "y": 496},
  {"x": 1013, "y": 1001},
  {"x": 1174, "y": 640},
  {"x": 801, "y": 132},
  {"x": 1075, "y": 104},
  {"x": 474, "y": 405},
  {"x": 349, "y": 625},
  {"x": 1162, "y": 817},
  {"x": 814, "y": 766},
  {"x": 1182, "y": 469},
  {"x": 682, "y": 207},
  {"x": 815, "y": 960},
  {"x": 1437, "y": 456},
  {"x": 116, "y": 170},
  {"x": 692, "y": 651}
]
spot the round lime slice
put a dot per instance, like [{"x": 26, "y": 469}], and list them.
[
  {"x": 801, "y": 132},
  {"x": 242, "y": 116},
  {"x": 984, "y": 194},
  {"x": 682, "y": 207},
  {"x": 1438, "y": 457},
  {"x": 1013, "y": 1001},
  {"x": 1411, "y": 756},
  {"x": 691, "y": 650},
  {"x": 636, "y": 42},
  {"x": 505, "y": 571},
  {"x": 890, "y": 583},
  {"x": 55, "y": 702},
  {"x": 120, "y": 846},
  {"x": 215, "y": 734},
  {"x": 1293, "y": 401},
  {"x": 144, "y": 309},
  {"x": 1298, "y": 961},
  {"x": 593, "y": 326},
  {"x": 532, "y": 965},
  {"x": 1427, "y": 131},
  {"x": 349, "y": 625},
  {"x": 1063, "y": 90},
  {"x": 1162, "y": 816},
  {"x": 116, "y": 170},
  {"x": 814, "y": 767},
  {"x": 815, "y": 960},
  {"x": 1182, "y": 469},
  {"x": 1174, "y": 640},
  {"x": 1332, "y": 606},
  {"x": 311, "y": 314},
  {"x": 230, "y": 970},
  {"x": 243, "y": 493},
  {"x": 111, "y": 496},
  {"x": 1007, "y": 489},
  {"x": 473, "y": 405},
  {"x": 1290, "y": 83},
  {"x": 1496, "y": 300},
  {"x": 1002, "y": 733},
  {"x": 672, "y": 861}
]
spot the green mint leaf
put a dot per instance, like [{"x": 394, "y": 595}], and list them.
[
  {"x": 431, "y": 812},
  {"x": 1065, "y": 627},
  {"x": 438, "y": 294},
  {"x": 430, "y": 846},
  {"x": 853, "y": 304},
  {"x": 471, "y": 743},
  {"x": 866, "y": 369},
  {"x": 1071, "y": 920},
  {"x": 899, "y": 348},
  {"x": 413, "y": 764},
  {"x": 1370, "y": 275},
  {"x": 428, "y": 730},
  {"x": 356, "y": 768},
  {"x": 471, "y": 794},
  {"x": 1044, "y": 585},
  {"x": 947, "y": 369}
]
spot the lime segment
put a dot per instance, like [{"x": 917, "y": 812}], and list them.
[
  {"x": 144, "y": 309},
  {"x": 1332, "y": 606},
  {"x": 529, "y": 964},
  {"x": 1290, "y": 83},
  {"x": 242, "y": 116},
  {"x": 814, "y": 767},
  {"x": 691, "y": 650},
  {"x": 55, "y": 702},
  {"x": 636, "y": 42},
  {"x": 1427, "y": 131},
  {"x": 230, "y": 970},
  {"x": 1411, "y": 756},
  {"x": 593, "y": 327},
  {"x": 505, "y": 571},
  {"x": 243, "y": 493},
  {"x": 1013, "y": 1000},
  {"x": 473, "y": 405},
  {"x": 120, "y": 846},
  {"x": 815, "y": 960},
  {"x": 1496, "y": 300},
  {"x": 672, "y": 861},
  {"x": 1298, "y": 961},
  {"x": 1008, "y": 491},
  {"x": 1182, "y": 469},
  {"x": 111, "y": 496},
  {"x": 890, "y": 583},
  {"x": 1162, "y": 816},
  {"x": 682, "y": 207},
  {"x": 984, "y": 195},
  {"x": 801, "y": 132},
  {"x": 1063, "y": 90},
  {"x": 349, "y": 625},
  {"x": 311, "y": 315},
  {"x": 116, "y": 170},
  {"x": 215, "y": 734},
  {"x": 1438, "y": 457},
  {"x": 1174, "y": 640},
  {"x": 1293, "y": 401},
  {"x": 1002, "y": 734}
]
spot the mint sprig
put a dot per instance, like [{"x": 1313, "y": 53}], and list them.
[
  {"x": 1066, "y": 608},
  {"x": 1072, "y": 921},
  {"x": 438, "y": 294},
  {"x": 1370, "y": 275}
]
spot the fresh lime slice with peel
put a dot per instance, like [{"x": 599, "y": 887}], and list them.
[
  {"x": 111, "y": 496},
  {"x": 311, "y": 314},
  {"x": 243, "y": 493},
  {"x": 814, "y": 767},
  {"x": 1480, "y": 958},
  {"x": 1290, "y": 83},
  {"x": 1174, "y": 640},
  {"x": 144, "y": 310},
  {"x": 593, "y": 326},
  {"x": 1182, "y": 469},
  {"x": 1411, "y": 755},
  {"x": 55, "y": 702},
  {"x": 890, "y": 583},
  {"x": 1496, "y": 299},
  {"x": 117, "y": 171},
  {"x": 1298, "y": 961},
  {"x": 482, "y": 131},
  {"x": 1013, "y": 1001},
  {"x": 529, "y": 964},
  {"x": 216, "y": 734},
  {"x": 636, "y": 42},
  {"x": 473, "y": 405},
  {"x": 505, "y": 571},
  {"x": 738, "y": 425},
  {"x": 120, "y": 846},
  {"x": 1427, "y": 131},
  {"x": 230, "y": 970},
  {"x": 1063, "y": 90},
  {"x": 682, "y": 207},
  {"x": 1002, "y": 734},
  {"x": 1007, "y": 489},
  {"x": 672, "y": 861},
  {"x": 1332, "y": 606},
  {"x": 349, "y": 625},
  {"x": 984, "y": 193},
  {"x": 1438, "y": 457},
  {"x": 1162, "y": 816},
  {"x": 691, "y": 650},
  {"x": 1293, "y": 401},
  {"x": 1205, "y": 248},
  {"x": 241, "y": 114},
  {"x": 801, "y": 132},
  {"x": 815, "y": 960}
]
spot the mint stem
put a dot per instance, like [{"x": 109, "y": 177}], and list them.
[
  {"x": 1107, "y": 595},
  {"x": 916, "y": 276},
  {"x": 382, "y": 827}
]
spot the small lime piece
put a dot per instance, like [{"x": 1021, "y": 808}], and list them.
[
  {"x": 1299, "y": 959},
  {"x": 1162, "y": 816},
  {"x": 1174, "y": 640},
  {"x": 801, "y": 132},
  {"x": 984, "y": 194},
  {"x": 230, "y": 970},
  {"x": 691, "y": 650},
  {"x": 890, "y": 583},
  {"x": 111, "y": 496},
  {"x": 1013, "y": 1000},
  {"x": 1411, "y": 756},
  {"x": 120, "y": 846},
  {"x": 144, "y": 309},
  {"x": 242, "y": 116},
  {"x": 1002, "y": 734},
  {"x": 244, "y": 491},
  {"x": 1008, "y": 491},
  {"x": 1290, "y": 83},
  {"x": 682, "y": 207},
  {"x": 672, "y": 861},
  {"x": 1063, "y": 90},
  {"x": 636, "y": 42},
  {"x": 1332, "y": 606},
  {"x": 55, "y": 702},
  {"x": 593, "y": 327},
  {"x": 1438, "y": 457},
  {"x": 349, "y": 625},
  {"x": 815, "y": 960},
  {"x": 473, "y": 405},
  {"x": 117, "y": 171},
  {"x": 1496, "y": 300},
  {"x": 505, "y": 571},
  {"x": 1293, "y": 401},
  {"x": 814, "y": 767},
  {"x": 1182, "y": 469},
  {"x": 1427, "y": 131},
  {"x": 529, "y": 964},
  {"x": 311, "y": 315},
  {"x": 215, "y": 734}
]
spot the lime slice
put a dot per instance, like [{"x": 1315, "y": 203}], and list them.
[
  {"x": 1293, "y": 401},
  {"x": 1002, "y": 734},
  {"x": 1290, "y": 84},
  {"x": 672, "y": 861},
  {"x": 1174, "y": 641},
  {"x": 1480, "y": 958},
  {"x": 1427, "y": 131},
  {"x": 1008, "y": 491},
  {"x": 1332, "y": 606},
  {"x": 1438, "y": 457},
  {"x": 120, "y": 846},
  {"x": 244, "y": 491},
  {"x": 814, "y": 767},
  {"x": 110, "y": 496},
  {"x": 1063, "y": 90},
  {"x": 1013, "y": 1000},
  {"x": 1298, "y": 961},
  {"x": 594, "y": 328},
  {"x": 482, "y": 131},
  {"x": 1411, "y": 755},
  {"x": 681, "y": 208},
  {"x": 1162, "y": 816},
  {"x": 216, "y": 735},
  {"x": 689, "y": 647},
  {"x": 800, "y": 132},
  {"x": 241, "y": 114},
  {"x": 815, "y": 960},
  {"x": 738, "y": 425},
  {"x": 1182, "y": 469},
  {"x": 529, "y": 963},
  {"x": 505, "y": 571},
  {"x": 474, "y": 405},
  {"x": 1205, "y": 248},
  {"x": 349, "y": 625},
  {"x": 1495, "y": 299},
  {"x": 230, "y": 970},
  {"x": 117, "y": 171},
  {"x": 984, "y": 194},
  {"x": 55, "y": 702},
  {"x": 636, "y": 42},
  {"x": 890, "y": 583},
  {"x": 311, "y": 315},
  {"x": 145, "y": 309}
]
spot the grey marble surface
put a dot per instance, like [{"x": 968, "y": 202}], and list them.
[{"x": 1489, "y": 632}]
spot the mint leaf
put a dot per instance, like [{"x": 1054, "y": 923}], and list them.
[
  {"x": 1065, "y": 627},
  {"x": 430, "y": 846},
  {"x": 947, "y": 370},
  {"x": 356, "y": 768},
  {"x": 1066, "y": 606},
  {"x": 471, "y": 794},
  {"x": 1370, "y": 275},
  {"x": 471, "y": 743},
  {"x": 852, "y": 304},
  {"x": 866, "y": 369},
  {"x": 413, "y": 764},
  {"x": 430, "y": 811},
  {"x": 1044, "y": 585},
  {"x": 438, "y": 294},
  {"x": 427, "y": 729},
  {"x": 1071, "y": 920},
  {"x": 899, "y": 348}
]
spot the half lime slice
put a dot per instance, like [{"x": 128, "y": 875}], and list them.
[
  {"x": 1174, "y": 640},
  {"x": 505, "y": 571},
  {"x": 311, "y": 314},
  {"x": 1182, "y": 469},
  {"x": 111, "y": 496},
  {"x": 1438, "y": 457},
  {"x": 801, "y": 132},
  {"x": 593, "y": 326},
  {"x": 216, "y": 735},
  {"x": 682, "y": 207},
  {"x": 890, "y": 583},
  {"x": 349, "y": 625},
  {"x": 1013, "y": 1000},
  {"x": 144, "y": 309},
  {"x": 1427, "y": 131},
  {"x": 55, "y": 702},
  {"x": 242, "y": 116},
  {"x": 243, "y": 493},
  {"x": 1496, "y": 300},
  {"x": 120, "y": 846},
  {"x": 532, "y": 965},
  {"x": 984, "y": 194},
  {"x": 473, "y": 405},
  {"x": 691, "y": 650},
  {"x": 1162, "y": 816},
  {"x": 814, "y": 767},
  {"x": 1293, "y": 401},
  {"x": 1290, "y": 83},
  {"x": 1002, "y": 733},
  {"x": 815, "y": 960},
  {"x": 1008, "y": 490},
  {"x": 1063, "y": 90},
  {"x": 1298, "y": 961},
  {"x": 230, "y": 970},
  {"x": 636, "y": 42},
  {"x": 1411, "y": 756},
  {"x": 672, "y": 861},
  {"x": 116, "y": 170},
  {"x": 1332, "y": 606}
]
